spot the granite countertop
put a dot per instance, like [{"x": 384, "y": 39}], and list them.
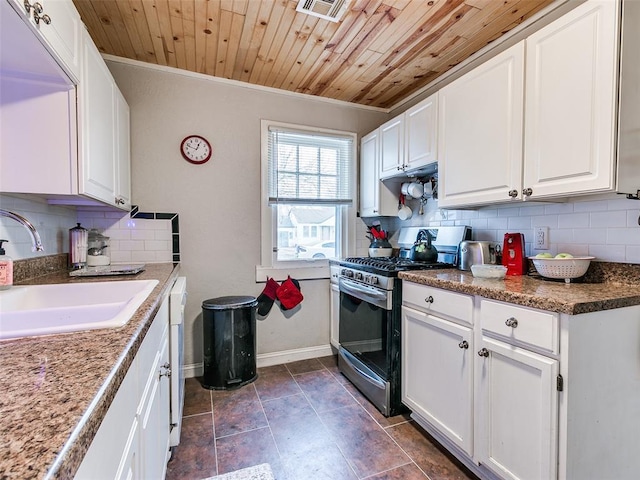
[
  {"x": 556, "y": 296},
  {"x": 56, "y": 389}
]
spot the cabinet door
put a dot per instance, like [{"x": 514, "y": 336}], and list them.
[
  {"x": 155, "y": 408},
  {"x": 376, "y": 199},
  {"x": 97, "y": 133},
  {"x": 517, "y": 412},
  {"x": 369, "y": 150},
  {"x": 480, "y": 133},
  {"x": 123, "y": 156},
  {"x": 421, "y": 133},
  {"x": 570, "y": 103},
  {"x": 335, "y": 315},
  {"x": 114, "y": 448},
  {"x": 62, "y": 35},
  {"x": 392, "y": 147},
  {"x": 437, "y": 380}
]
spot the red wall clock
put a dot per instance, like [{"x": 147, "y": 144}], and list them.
[{"x": 196, "y": 149}]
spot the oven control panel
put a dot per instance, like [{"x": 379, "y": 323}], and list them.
[{"x": 367, "y": 278}]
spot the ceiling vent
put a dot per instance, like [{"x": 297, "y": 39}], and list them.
[{"x": 331, "y": 10}]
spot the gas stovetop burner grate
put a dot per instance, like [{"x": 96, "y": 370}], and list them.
[{"x": 391, "y": 264}]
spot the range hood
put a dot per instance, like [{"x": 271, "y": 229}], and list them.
[{"x": 425, "y": 171}]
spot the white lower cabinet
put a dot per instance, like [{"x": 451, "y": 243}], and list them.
[
  {"x": 430, "y": 340},
  {"x": 537, "y": 395},
  {"x": 517, "y": 408},
  {"x": 133, "y": 438}
]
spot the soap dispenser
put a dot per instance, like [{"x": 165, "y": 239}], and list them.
[{"x": 6, "y": 268}]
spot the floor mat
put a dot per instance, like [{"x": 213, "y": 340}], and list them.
[{"x": 257, "y": 472}]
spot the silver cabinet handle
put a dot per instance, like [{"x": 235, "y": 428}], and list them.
[
  {"x": 513, "y": 193},
  {"x": 45, "y": 18},
  {"x": 166, "y": 373},
  {"x": 463, "y": 344},
  {"x": 119, "y": 201},
  {"x": 511, "y": 322},
  {"x": 527, "y": 192},
  {"x": 429, "y": 299},
  {"x": 483, "y": 352},
  {"x": 37, "y": 11}
]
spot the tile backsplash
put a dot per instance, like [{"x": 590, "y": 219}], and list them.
[
  {"x": 604, "y": 226},
  {"x": 136, "y": 237},
  {"x": 133, "y": 240},
  {"x": 51, "y": 221}
]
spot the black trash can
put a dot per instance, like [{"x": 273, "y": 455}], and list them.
[{"x": 229, "y": 328}]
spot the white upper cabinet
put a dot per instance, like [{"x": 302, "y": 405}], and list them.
[
  {"x": 64, "y": 124},
  {"x": 123, "y": 149},
  {"x": 97, "y": 133},
  {"x": 103, "y": 134},
  {"x": 570, "y": 103},
  {"x": 421, "y": 133},
  {"x": 408, "y": 141},
  {"x": 376, "y": 199},
  {"x": 392, "y": 147},
  {"x": 568, "y": 114},
  {"x": 480, "y": 133},
  {"x": 59, "y": 27}
]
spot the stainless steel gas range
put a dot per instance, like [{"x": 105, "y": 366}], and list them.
[{"x": 370, "y": 304}]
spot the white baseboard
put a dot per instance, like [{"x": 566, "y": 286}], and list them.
[
  {"x": 269, "y": 359},
  {"x": 278, "y": 358}
]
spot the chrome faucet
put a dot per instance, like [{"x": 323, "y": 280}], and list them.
[{"x": 37, "y": 243}]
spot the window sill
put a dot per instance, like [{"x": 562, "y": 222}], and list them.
[{"x": 296, "y": 271}]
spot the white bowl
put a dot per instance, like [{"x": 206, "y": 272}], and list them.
[
  {"x": 566, "y": 268},
  {"x": 380, "y": 252},
  {"x": 496, "y": 272}
]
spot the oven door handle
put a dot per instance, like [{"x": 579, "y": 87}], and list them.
[
  {"x": 374, "y": 381},
  {"x": 368, "y": 294}
]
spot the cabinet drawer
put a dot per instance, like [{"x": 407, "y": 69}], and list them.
[
  {"x": 520, "y": 325},
  {"x": 438, "y": 302}
]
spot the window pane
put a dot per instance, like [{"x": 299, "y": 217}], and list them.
[
  {"x": 329, "y": 160},
  {"x": 307, "y": 232},
  {"x": 308, "y": 160}
]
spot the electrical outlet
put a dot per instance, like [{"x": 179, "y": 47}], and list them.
[{"x": 541, "y": 238}]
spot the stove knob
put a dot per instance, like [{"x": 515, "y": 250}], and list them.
[
  {"x": 347, "y": 273},
  {"x": 373, "y": 280},
  {"x": 359, "y": 276}
]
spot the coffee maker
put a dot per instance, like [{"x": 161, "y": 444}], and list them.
[{"x": 513, "y": 256}]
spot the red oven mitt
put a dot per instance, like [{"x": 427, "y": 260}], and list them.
[
  {"x": 267, "y": 297},
  {"x": 289, "y": 293}
]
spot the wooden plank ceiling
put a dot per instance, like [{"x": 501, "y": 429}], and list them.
[{"x": 379, "y": 53}]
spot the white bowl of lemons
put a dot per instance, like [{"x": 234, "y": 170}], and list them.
[{"x": 563, "y": 265}]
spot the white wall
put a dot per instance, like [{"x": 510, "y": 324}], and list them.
[{"x": 219, "y": 202}]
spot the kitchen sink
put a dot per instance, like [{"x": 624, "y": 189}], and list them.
[{"x": 32, "y": 310}]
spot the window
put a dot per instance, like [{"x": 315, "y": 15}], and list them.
[{"x": 308, "y": 177}]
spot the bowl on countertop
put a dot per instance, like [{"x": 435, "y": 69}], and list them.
[
  {"x": 567, "y": 268},
  {"x": 495, "y": 272}
]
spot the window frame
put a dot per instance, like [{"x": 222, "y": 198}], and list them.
[{"x": 305, "y": 269}]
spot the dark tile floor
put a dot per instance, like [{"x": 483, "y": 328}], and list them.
[{"x": 307, "y": 421}]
